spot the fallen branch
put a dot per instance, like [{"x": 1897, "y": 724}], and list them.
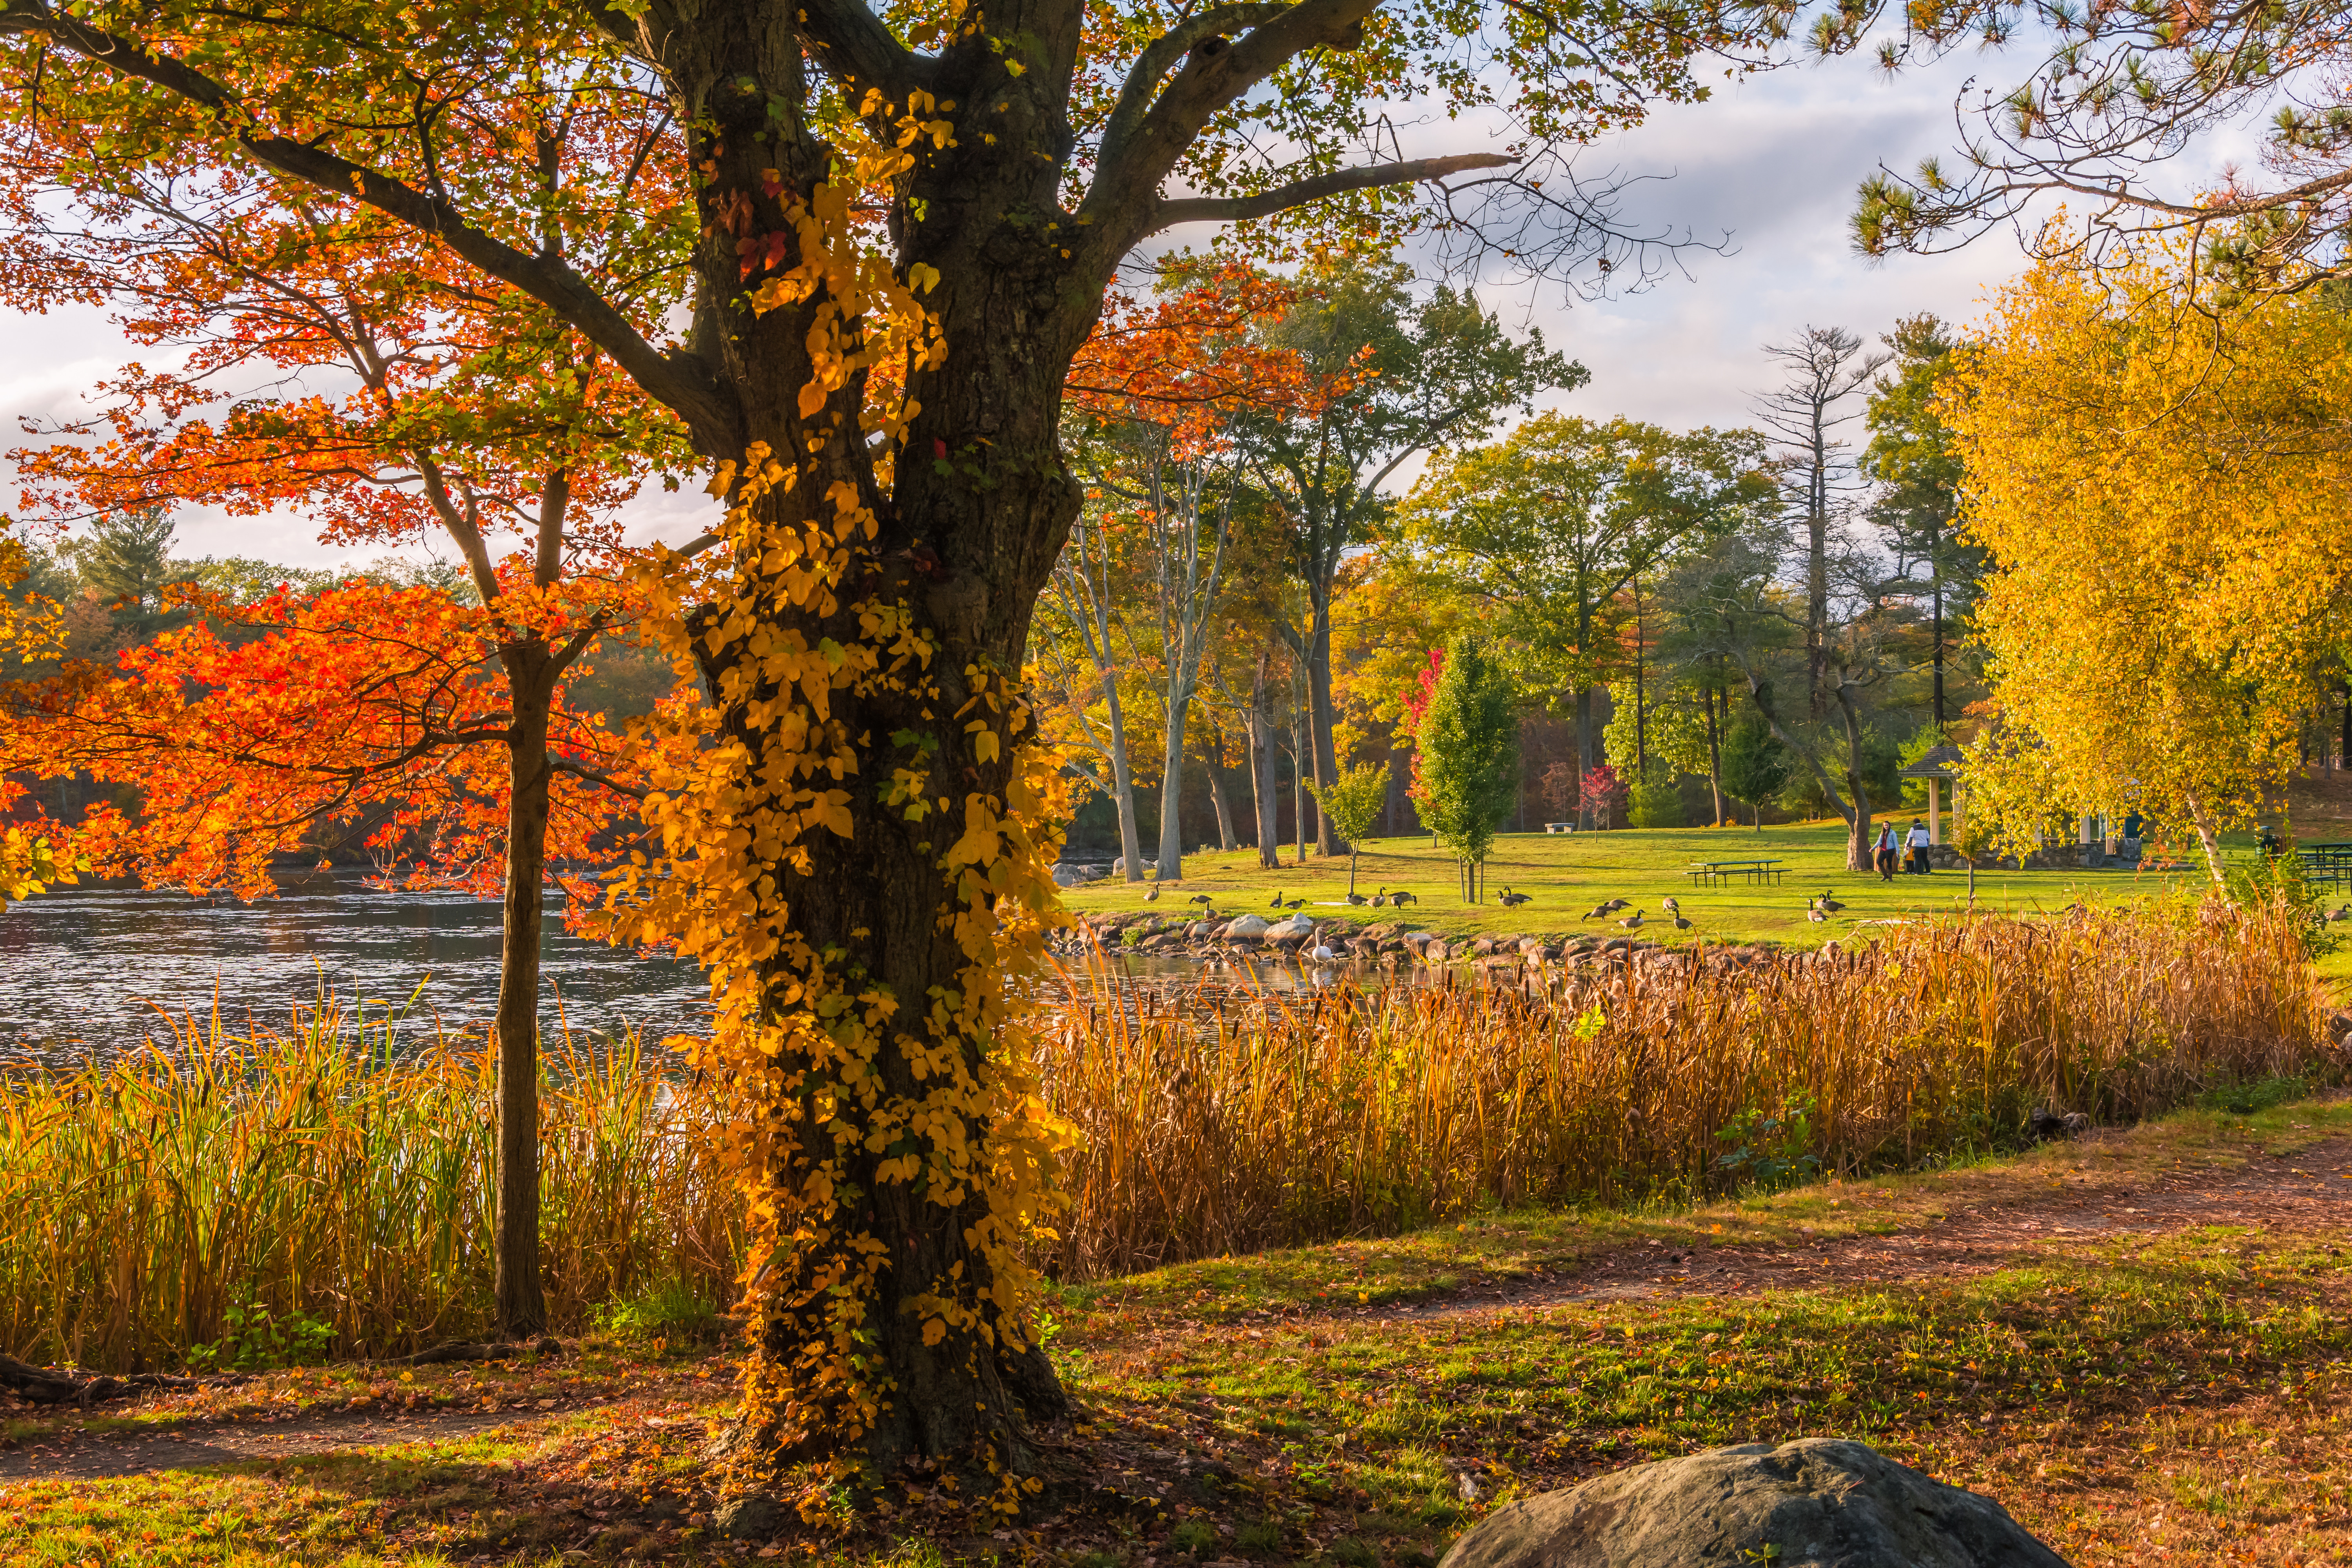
[{"x": 61, "y": 1386}]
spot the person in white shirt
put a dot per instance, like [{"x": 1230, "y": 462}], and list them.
[{"x": 1918, "y": 839}]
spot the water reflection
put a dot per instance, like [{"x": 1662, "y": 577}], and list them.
[{"x": 84, "y": 969}]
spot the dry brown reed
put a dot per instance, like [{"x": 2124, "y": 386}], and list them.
[
  {"x": 1238, "y": 1122},
  {"x": 150, "y": 1203},
  {"x": 146, "y": 1201}
]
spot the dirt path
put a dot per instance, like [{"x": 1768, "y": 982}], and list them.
[
  {"x": 2310, "y": 1191},
  {"x": 95, "y": 1445},
  {"x": 79, "y": 1453}
]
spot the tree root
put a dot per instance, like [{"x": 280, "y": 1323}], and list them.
[{"x": 60, "y": 1386}]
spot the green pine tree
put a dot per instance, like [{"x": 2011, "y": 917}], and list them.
[{"x": 1469, "y": 742}]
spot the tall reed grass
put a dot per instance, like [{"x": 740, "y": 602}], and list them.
[
  {"x": 311, "y": 1185},
  {"x": 172, "y": 1198},
  {"x": 1238, "y": 1123}
]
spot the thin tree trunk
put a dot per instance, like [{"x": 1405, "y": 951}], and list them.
[
  {"x": 1262, "y": 782},
  {"x": 2209, "y": 835},
  {"x": 1640, "y": 694},
  {"x": 1122, "y": 785},
  {"x": 1938, "y": 572},
  {"x": 1322, "y": 719},
  {"x": 1583, "y": 754},
  {"x": 522, "y": 1306},
  {"x": 1857, "y": 847},
  {"x": 1714, "y": 753}
]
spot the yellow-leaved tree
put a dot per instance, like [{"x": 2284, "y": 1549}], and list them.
[{"x": 2160, "y": 477}]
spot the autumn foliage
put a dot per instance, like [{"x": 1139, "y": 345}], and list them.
[{"x": 2158, "y": 475}]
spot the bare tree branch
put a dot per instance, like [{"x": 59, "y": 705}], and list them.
[{"x": 1240, "y": 209}]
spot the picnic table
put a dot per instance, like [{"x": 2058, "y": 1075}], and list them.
[
  {"x": 2328, "y": 863},
  {"x": 1707, "y": 873}
]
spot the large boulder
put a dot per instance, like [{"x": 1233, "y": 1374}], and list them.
[
  {"x": 1298, "y": 928},
  {"x": 1820, "y": 1502},
  {"x": 1245, "y": 928}
]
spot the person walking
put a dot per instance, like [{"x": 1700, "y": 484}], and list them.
[
  {"x": 1884, "y": 857},
  {"x": 1919, "y": 840}
]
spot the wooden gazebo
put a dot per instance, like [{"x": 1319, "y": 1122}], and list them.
[{"x": 1940, "y": 766}]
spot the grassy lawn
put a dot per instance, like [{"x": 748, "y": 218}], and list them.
[
  {"x": 1568, "y": 874},
  {"x": 2176, "y": 1390}
]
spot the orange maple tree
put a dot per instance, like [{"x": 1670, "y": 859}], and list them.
[{"x": 403, "y": 398}]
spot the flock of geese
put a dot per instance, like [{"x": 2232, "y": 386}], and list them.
[{"x": 1817, "y": 910}]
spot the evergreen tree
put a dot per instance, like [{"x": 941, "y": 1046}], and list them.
[
  {"x": 1915, "y": 459},
  {"x": 1469, "y": 742},
  {"x": 127, "y": 560},
  {"x": 1755, "y": 765}
]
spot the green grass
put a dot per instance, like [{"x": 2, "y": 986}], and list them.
[{"x": 1568, "y": 874}]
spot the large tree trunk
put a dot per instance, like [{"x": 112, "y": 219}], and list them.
[
  {"x": 521, "y": 1307},
  {"x": 874, "y": 1046},
  {"x": 1171, "y": 795}
]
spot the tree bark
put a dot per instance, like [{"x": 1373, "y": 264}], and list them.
[
  {"x": 1219, "y": 793},
  {"x": 522, "y": 1306},
  {"x": 1323, "y": 719},
  {"x": 1171, "y": 796},
  {"x": 1122, "y": 784},
  {"x": 2208, "y": 837}
]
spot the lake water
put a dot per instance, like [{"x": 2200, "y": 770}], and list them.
[{"x": 84, "y": 970}]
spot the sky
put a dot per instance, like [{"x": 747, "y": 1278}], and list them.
[{"x": 1771, "y": 162}]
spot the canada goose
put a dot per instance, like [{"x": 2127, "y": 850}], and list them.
[
  {"x": 1356, "y": 900},
  {"x": 1598, "y": 911},
  {"x": 1681, "y": 922},
  {"x": 1151, "y": 895},
  {"x": 1828, "y": 904},
  {"x": 1511, "y": 901},
  {"x": 1277, "y": 900},
  {"x": 1203, "y": 899},
  {"x": 1399, "y": 900},
  {"x": 1380, "y": 898},
  {"x": 1631, "y": 921},
  {"x": 1615, "y": 904},
  {"x": 1815, "y": 916},
  {"x": 1671, "y": 904},
  {"x": 1291, "y": 904}
]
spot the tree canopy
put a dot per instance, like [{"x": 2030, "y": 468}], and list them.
[{"x": 2158, "y": 487}]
